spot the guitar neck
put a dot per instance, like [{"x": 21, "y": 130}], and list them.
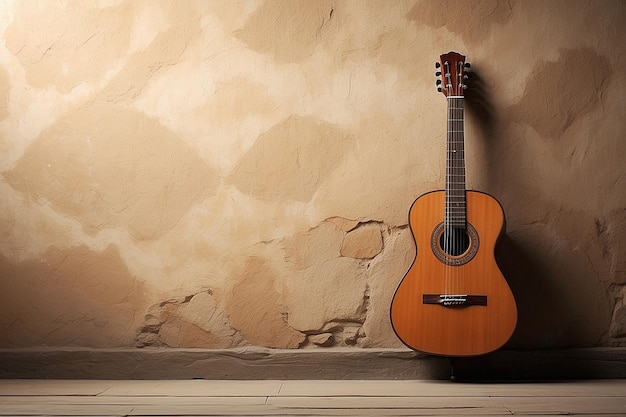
[{"x": 455, "y": 206}]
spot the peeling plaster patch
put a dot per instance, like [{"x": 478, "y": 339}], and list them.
[
  {"x": 561, "y": 92},
  {"x": 193, "y": 321},
  {"x": 255, "y": 308},
  {"x": 617, "y": 331},
  {"x": 111, "y": 167},
  {"x": 322, "y": 339},
  {"x": 344, "y": 224},
  {"x": 333, "y": 258},
  {"x": 614, "y": 237},
  {"x": 618, "y": 325},
  {"x": 291, "y": 160},
  {"x": 383, "y": 276},
  {"x": 363, "y": 242},
  {"x": 340, "y": 288},
  {"x": 319, "y": 244},
  {"x": 351, "y": 334}
]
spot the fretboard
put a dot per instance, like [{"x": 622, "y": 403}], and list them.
[{"x": 455, "y": 212}]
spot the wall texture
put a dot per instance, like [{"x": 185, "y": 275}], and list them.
[{"x": 222, "y": 174}]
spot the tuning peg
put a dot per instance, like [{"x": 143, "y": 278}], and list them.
[
  {"x": 438, "y": 73},
  {"x": 437, "y": 64},
  {"x": 439, "y": 89},
  {"x": 465, "y": 77},
  {"x": 438, "y": 82},
  {"x": 467, "y": 65}
]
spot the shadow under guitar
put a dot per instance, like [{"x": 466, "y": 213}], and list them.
[{"x": 541, "y": 316}]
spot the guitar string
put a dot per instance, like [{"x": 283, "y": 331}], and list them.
[
  {"x": 457, "y": 236},
  {"x": 459, "y": 166},
  {"x": 455, "y": 172},
  {"x": 447, "y": 220},
  {"x": 448, "y": 235},
  {"x": 461, "y": 156},
  {"x": 454, "y": 240},
  {"x": 452, "y": 236}
]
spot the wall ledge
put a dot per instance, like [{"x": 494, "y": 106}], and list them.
[{"x": 333, "y": 363}]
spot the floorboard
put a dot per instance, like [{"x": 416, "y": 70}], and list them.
[{"x": 309, "y": 398}]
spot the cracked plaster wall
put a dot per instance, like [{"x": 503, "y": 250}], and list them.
[{"x": 223, "y": 174}]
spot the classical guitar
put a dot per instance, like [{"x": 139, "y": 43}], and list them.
[{"x": 454, "y": 301}]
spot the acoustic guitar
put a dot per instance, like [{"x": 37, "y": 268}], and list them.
[{"x": 454, "y": 301}]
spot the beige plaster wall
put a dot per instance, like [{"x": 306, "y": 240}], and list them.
[{"x": 219, "y": 174}]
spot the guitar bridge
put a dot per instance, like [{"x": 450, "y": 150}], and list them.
[{"x": 455, "y": 300}]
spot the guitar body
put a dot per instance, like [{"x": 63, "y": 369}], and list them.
[
  {"x": 455, "y": 304},
  {"x": 454, "y": 301}
]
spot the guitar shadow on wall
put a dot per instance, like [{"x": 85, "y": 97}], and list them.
[
  {"x": 478, "y": 103},
  {"x": 541, "y": 316}
]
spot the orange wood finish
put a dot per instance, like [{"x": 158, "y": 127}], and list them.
[{"x": 454, "y": 331}]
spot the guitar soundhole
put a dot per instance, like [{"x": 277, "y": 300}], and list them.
[
  {"x": 454, "y": 245},
  {"x": 454, "y": 241}
]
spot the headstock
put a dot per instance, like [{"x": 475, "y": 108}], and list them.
[{"x": 452, "y": 71}]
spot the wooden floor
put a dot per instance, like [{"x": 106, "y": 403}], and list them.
[{"x": 309, "y": 398}]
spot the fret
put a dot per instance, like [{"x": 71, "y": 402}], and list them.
[{"x": 457, "y": 223}]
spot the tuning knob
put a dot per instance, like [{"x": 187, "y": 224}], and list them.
[
  {"x": 437, "y": 64},
  {"x": 438, "y": 73},
  {"x": 439, "y": 89},
  {"x": 467, "y": 65}
]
